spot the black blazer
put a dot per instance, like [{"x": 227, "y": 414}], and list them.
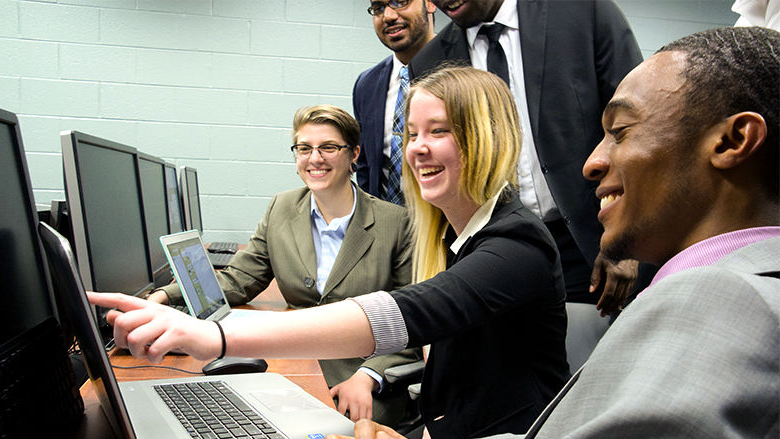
[
  {"x": 369, "y": 96},
  {"x": 574, "y": 55},
  {"x": 496, "y": 323}
]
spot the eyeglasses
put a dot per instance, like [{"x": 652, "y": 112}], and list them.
[
  {"x": 326, "y": 150},
  {"x": 378, "y": 8}
]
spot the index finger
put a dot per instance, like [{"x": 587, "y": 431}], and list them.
[{"x": 122, "y": 302}]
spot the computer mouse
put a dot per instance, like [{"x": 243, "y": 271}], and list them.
[{"x": 231, "y": 365}]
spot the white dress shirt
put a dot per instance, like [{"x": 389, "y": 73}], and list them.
[{"x": 534, "y": 192}]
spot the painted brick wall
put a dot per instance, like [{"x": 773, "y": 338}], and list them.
[{"x": 212, "y": 84}]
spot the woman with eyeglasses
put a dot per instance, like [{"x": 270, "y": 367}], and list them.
[
  {"x": 323, "y": 243},
  {"x": 489, "y": 296}
]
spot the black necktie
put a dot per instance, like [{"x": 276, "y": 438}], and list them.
[{"x": 496, "y": 58}]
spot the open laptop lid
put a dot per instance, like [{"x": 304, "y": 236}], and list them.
[
  {"x": 193, "y": 271},
  {"x": 73, "y": 300}
]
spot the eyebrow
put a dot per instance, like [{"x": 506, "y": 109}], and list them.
[{"x": 619, "y": 104}]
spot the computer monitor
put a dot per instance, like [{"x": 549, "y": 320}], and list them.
[
  {"x": 190, "y": 198},
  {"x": 36, "y": 378},
  {"x": 155, "y": 202},
  {"x": 102, "y": 187},
  {"x": 175, "y": 221}
]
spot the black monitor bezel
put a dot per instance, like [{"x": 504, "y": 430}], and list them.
[
  {"x": 182, "y": 226},
  {"x": 185, "y": 197},
  {"x": 160, "y": 275},
  {"x": 77, "y": 209}
]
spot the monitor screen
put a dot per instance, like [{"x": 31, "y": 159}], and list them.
[
  {"x": 37, "y": 376},
  {"x": 24, "y": 287},
  {"x": 175, "y": 222},
  {"x": 104, "y": 201},
  {"x": 191, "y": 198},
  {"x": 153, "y": 185}
]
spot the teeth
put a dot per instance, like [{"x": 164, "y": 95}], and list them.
[
  {"x": 318, "y": 171},
  {"x": 454, "y": 5},
  {"x": 607, "y": 199},
  {"x": 426, "y": 171}
]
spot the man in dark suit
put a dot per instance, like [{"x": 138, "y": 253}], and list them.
[
  {"x": 563, "y": 60},
  {"x": 404, "y": 27}
]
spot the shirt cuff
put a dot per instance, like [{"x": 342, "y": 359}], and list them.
[
  {"x": 387, "y": 322},
  {"x": 372, "y": 373}
]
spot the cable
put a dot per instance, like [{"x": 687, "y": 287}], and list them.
[{"x": 159, "y": 367}]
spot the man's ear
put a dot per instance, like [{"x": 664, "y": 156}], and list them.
[{"x": 740, "y": 136}]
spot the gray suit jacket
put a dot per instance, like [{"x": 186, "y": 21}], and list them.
[
  {"x": 696, "y": 355},
  {"x": 375, "y": 255}
]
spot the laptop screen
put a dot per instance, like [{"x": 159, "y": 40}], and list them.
[{"x": 196, "y": 276}]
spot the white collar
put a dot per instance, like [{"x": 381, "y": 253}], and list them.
[
  {"x": 506, "y": 15},
  {"x": 477, "y": 221},
  {"x": 397, "y": 64}
]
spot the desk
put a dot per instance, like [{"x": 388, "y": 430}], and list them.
[{"x": 305, "y": 373}]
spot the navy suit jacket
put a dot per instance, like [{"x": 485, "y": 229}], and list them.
[
  {"x": 369, "y": 96},
  {"x": 574, "y": 55}
]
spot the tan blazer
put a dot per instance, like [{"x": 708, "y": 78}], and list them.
[{"x": 375, "y": 255}]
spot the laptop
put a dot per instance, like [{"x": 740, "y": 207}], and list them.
[
  {"x": 266, "y": 405},
  {"x": 195, "y": 275}
]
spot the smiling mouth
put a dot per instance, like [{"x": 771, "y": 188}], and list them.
[
  {"x": 451, "y": 6},
  {"x": 609, "y": 198},
  {"x": 394, "y": 29},
  {"x": 430, "y": 171},
  {"x": 318, "y": 171}
]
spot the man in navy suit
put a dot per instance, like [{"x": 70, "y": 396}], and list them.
[
  {"x": 404, "y": 26},
  {"x": 563, "y": 60}
]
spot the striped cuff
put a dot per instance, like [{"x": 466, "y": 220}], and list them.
[{"x": 386, "y": 320}]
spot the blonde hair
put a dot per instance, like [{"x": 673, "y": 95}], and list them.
[
  {"x": 330, "y": 115},
  {"x": 484, "y": 122}
]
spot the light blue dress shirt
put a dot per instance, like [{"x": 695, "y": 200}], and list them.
[{"x": 328, "y": 239}]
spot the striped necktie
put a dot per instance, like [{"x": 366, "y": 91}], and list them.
[{"x": 394, "y": 192}]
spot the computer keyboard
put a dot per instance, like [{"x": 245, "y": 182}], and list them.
[
  {"x": 182, "y": 308},
  {"x": 223, "y": 247},
  {"x": 210, "y": 409},
  {"x": 220, "y": 260}
]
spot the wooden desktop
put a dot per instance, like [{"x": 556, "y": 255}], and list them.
[{"x": 305, "y": 373}]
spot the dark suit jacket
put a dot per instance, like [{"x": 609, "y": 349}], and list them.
[
  {"x": 375, "y": 255},
  {"x": 574, "y": 55},
  {"x": 496, "y": 323},
  {"x": 369, "y": 96}
]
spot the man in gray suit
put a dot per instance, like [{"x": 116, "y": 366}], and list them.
[{"x": 688, "y": 175}]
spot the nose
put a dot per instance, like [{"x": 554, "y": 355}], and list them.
[
  {"x": 315, "y": 156},
  {"x": 415, "y": 147},
  {"x": 597, "y": 165},
  {"x": 389, "y": 14}
]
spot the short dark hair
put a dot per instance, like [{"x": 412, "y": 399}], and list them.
[
  {"x": 730, "y": 70},
  {"x": 329, "y": 115}
]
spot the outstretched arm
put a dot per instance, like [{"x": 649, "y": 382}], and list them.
[{"x": 338, "y": 330}]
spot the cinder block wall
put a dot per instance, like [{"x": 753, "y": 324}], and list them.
[{"x": 212, "y": 84}]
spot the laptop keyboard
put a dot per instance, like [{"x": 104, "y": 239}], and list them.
[
  {"x": 182, "y": 308},
  {"x": 223, "y": 247},
  {"x": 210, "y": 410},
  {"x": 220, "y": 260}
]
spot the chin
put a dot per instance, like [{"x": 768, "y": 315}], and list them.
[{"x": 617, "y": 248}]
